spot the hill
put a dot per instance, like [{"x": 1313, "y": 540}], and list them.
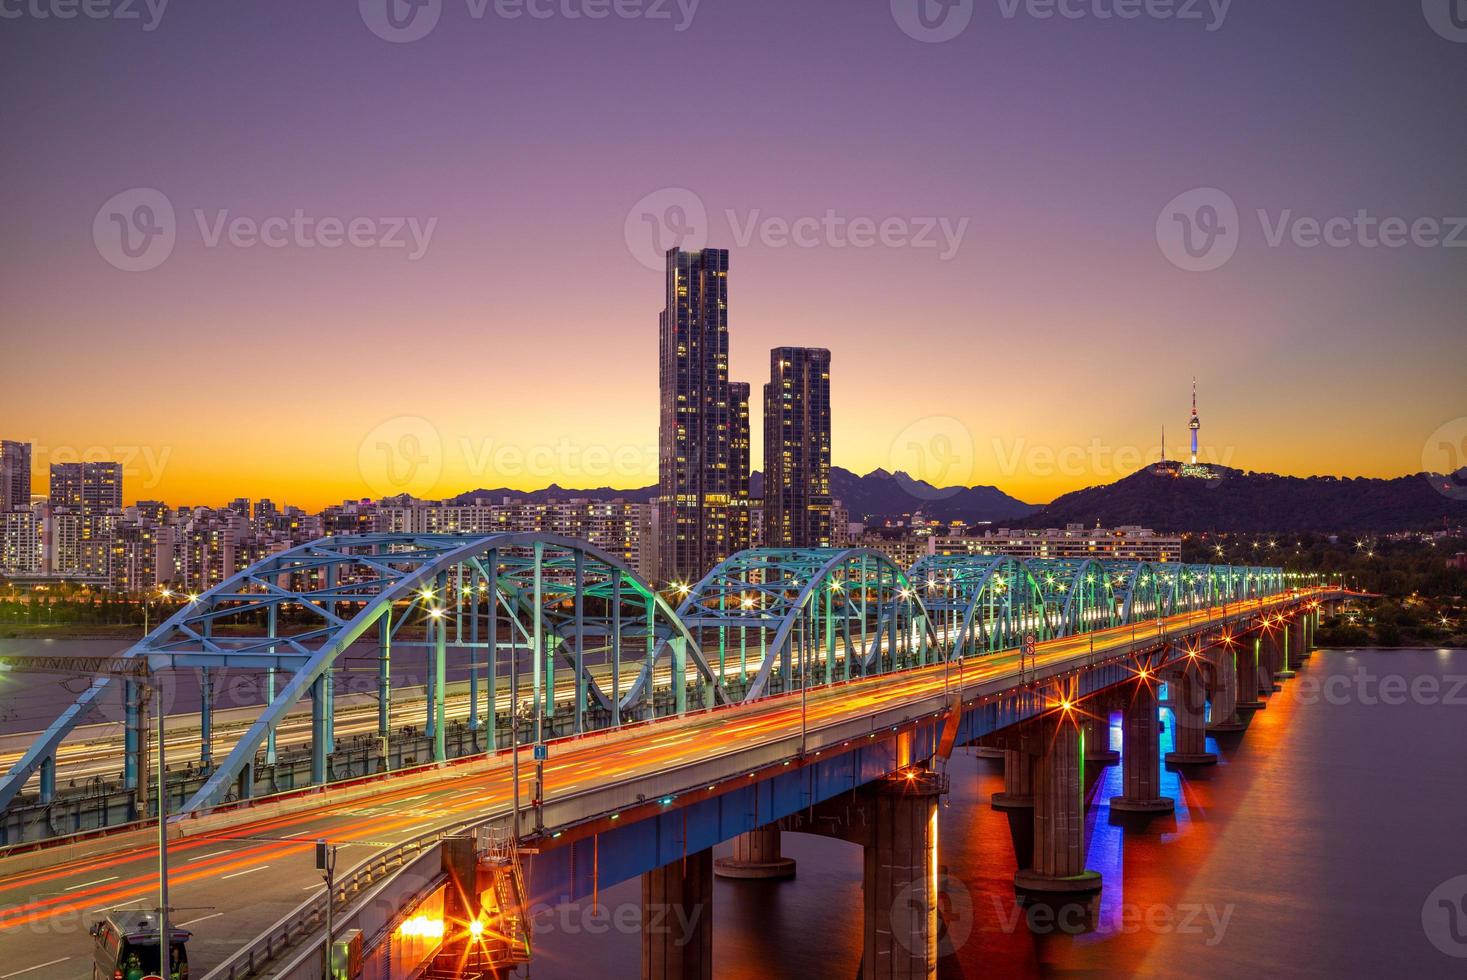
[{"x": 1164, "y": 498}]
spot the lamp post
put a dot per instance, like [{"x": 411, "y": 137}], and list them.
[{"x": 165, "y": 935}]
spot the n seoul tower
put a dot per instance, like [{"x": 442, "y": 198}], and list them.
[{"x": 1196, "y": 422}]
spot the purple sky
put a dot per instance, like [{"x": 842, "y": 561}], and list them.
[{"x": 1044, "y": 353}]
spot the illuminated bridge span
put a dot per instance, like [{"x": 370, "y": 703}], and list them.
[
  {"x": 600, "y": 646},
  {"x": 790, "y": 690}
]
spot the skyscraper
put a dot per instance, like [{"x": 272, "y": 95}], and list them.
[
  {"x": 87, "y": 488},
  {"x": 15, "y": 475},
  {"x": 697, "y": 419},
  {"x": 797, "y": 501},
  {"x": 743, "y": 506}
]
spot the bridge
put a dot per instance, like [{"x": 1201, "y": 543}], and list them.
[{"x": 599, "y": 732}]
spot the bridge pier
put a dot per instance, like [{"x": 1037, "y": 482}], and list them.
[
  {"x": 677, "y": 919},
  {"x": 1268, "y": 661},
  {"x": 1058, "y": 864},
  {"x": 1097, "y": 739},
  {"x": 1293, "y": 640},
  {"x": 756, "y": 854},
  {"x": 1246, "y": 661},
  {"x": 1018, "y": 782},
  {"x": 1224, "y": 691},
  {"x": 1141, "y": 755},
  {"x": 900, "y": 886},
  {"x": 1189, "y": 705}
]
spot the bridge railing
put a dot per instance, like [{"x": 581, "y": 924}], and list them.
[{"x": 308, "y": 920}]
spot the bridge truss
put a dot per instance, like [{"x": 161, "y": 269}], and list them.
[{"x": 559, "y": 638}]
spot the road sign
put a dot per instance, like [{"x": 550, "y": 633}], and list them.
[
  {"x": 542, "y": 752},
  {"x": 1031, "y": 644}
]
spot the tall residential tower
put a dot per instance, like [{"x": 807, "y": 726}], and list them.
[
  {"x": 15, "y": 476},
  {"x": 698, "y": 478},
  {"x": 797, "y": 499}
]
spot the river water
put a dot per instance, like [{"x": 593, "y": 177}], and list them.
[{"x": 1310, "y": 850}]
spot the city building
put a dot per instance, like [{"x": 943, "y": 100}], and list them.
[
  {"x": 1127, "y": 543},
  {"x": 86, "y": 488},
  {"x": 797, "y": 503},
  {"x": 697, "y": 418},
  {"x": 15, "y": 476},
  {"x": 743, "y": 517},
  {"x": 20, "y": 542}
]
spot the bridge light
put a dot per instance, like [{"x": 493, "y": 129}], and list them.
[
  {"x": 193, "y": 597},
  {"x": 476, "y": 929},
  {"x": 436, "y": 613}
]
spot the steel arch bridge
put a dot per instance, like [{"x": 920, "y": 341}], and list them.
[
  {"x": 803, "y": 616},
  {"x": 601, "y": 647},
  {"x": 540, "y": 598}
]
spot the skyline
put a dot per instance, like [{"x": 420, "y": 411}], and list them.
[{"x": 261, "y": 370}]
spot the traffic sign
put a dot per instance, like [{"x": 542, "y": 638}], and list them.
[
  {"x": 542, "y": 752},
  {"x": 1031, "y": 644}
]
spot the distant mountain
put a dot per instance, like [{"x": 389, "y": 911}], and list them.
[
  {"x": 874, "y": 497},
  {"x": 1234, "y": 500}
]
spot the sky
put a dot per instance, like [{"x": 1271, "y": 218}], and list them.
[{"x": 311, "y": 251}]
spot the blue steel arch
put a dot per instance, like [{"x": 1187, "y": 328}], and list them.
[
  {"x": 1077, "y": 594},
  {"x": 982, "y": 603},
  {"x": 836, "y": 612},
  {"x": 555, "y": 592}
]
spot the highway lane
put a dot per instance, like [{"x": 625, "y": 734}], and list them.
[{"x": 233, "y": 884}]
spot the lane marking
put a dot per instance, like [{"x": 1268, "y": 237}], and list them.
[
  {"x": 199, "y": 919},
  {"x": 72, "y": 888},
  {"x": 38, "y": 966},
  {"x": 209, "y": 855},
  {"x": 247, "y": 871}
]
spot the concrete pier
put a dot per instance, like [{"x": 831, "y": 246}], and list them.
[
  {"x": 1097, "y": 738},
  {"x": 755, "y": 855},
  {"x": 1189, "y": 705},
  {"x": 1058, "y": 864},
  {"x": 1246, "y": 658},
  {"x": 900, "y": 886},
  {"x": 677, "y": 919},
  {"x": 1141, "y": 755},
  {"x": 1018, "y": 782},
  {"x": 1225, "y": 718}
]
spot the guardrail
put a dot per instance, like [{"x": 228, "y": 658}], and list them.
[{"x": 309, "y": 918}]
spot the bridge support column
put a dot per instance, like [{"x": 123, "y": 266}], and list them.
[
  {"x": 1189, "y": 704},
  {"x": 48, "y": 779},
  {"x": 320, "y": 728},
  {"x": 1097, "y": 739},
  {"x": 900, "y": 884},
  {"x": 1059, "y": 814},
  {"x": 1224, "y": 717},
  {"x": 1018, "y": 782},
  {"x": 1141, "y": 755},
  {"x": 1292, "y": 639},
  {"x": 756, "y": 855},
  {"x": 1268, "y": 661},
  {"x": 677, "y": 919},
  {"x": 1246, "y": 659}
]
